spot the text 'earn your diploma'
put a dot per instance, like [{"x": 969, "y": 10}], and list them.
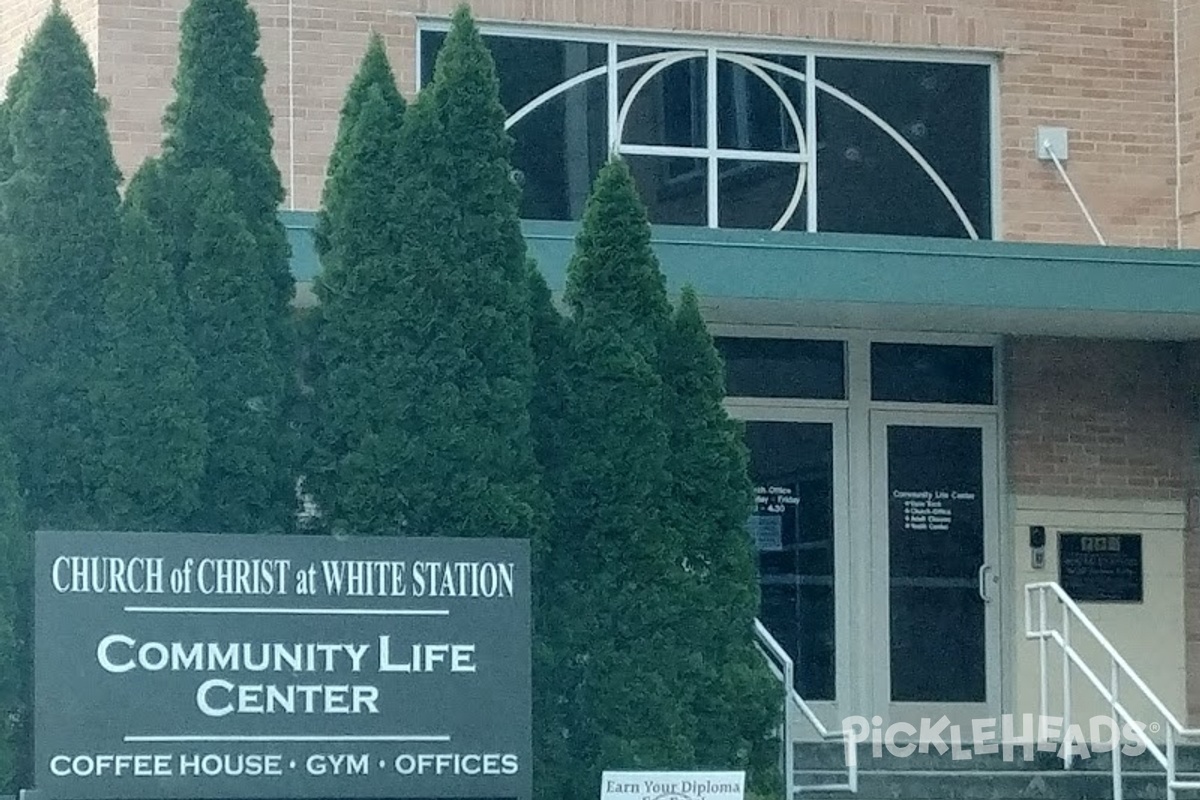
[{"x": 192, "y": 666}]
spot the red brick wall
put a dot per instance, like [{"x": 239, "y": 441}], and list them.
[
  {"x": 1103, "y": 419},
  {"x": 1102, "y": 68}
]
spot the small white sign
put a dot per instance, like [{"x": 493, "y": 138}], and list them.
[{"x": 673, "y": 786}]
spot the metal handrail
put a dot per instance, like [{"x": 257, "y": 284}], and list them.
[
  {"x": 784, "y": 669},
  {"x": 1118, "y": 668}
]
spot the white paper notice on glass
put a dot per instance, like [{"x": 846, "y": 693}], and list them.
[
  {"x": 767, "y": 531},
  {"x": 673, "y": 786}
]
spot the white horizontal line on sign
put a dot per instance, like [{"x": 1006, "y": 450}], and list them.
[
  {"x": 130, "y": 739},
  {"x": 346, "y": 612}
]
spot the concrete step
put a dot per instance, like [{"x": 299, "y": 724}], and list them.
[{"x": 989, "y": 785}]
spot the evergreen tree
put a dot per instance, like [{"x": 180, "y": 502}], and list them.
[
  {"x": 59, "y": 213},
  {"x": 6, "y": 152},
  {"x": 14, "y": 651},
  {"x": 216, "y": 176},
  {"x": 349, "y": 171},
  {"x": 359, "y": 346},
  {"x": 151, "y": 420},
  {"x": 374, "y": 72},
  {"x": 736, "y": 698},
  {"x": 431, "y": 378},
  {"x": 243, "y": 382},
  {"x": 549, "y": 338},
  {"x": 616, "y": 690}
]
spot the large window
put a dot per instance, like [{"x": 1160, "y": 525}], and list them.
[{"x": 739, "y": 139}]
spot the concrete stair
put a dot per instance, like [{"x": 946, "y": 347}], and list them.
[{"x": 940, "y": 776}]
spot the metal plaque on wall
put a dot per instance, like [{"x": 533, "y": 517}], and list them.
[{"x": 1101, "y": 567}]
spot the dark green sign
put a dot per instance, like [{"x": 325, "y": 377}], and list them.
[{"x": 182, "y": 666}]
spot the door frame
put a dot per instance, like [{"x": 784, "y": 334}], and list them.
[
  {"x": 847, "y": 699},
  {"x": 993, "y": 582},
  {"x": 858, "y": 406}
]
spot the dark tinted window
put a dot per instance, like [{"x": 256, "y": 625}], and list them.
[
  {"x": 867, "y": 183},
  {"x": 784, "y": 368},
  {"x": 925, "y": 373}
]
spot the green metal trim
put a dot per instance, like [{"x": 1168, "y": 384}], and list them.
[
  {"x": 895, "y": 270},
  {"x": 299, "y": 227}
]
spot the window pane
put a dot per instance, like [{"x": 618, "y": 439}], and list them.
[
  {"x": 935, "y": 550},
  {"x": 791, "y": 465},
  {"x": 675, "y": 190},
  {"x": 784, "y": 368},
  {"x": 924, "y": 373},
  {"x": 868, "y": 183},
  {"x": 750, "y": 115},
  {"x": 670, "y": 108},
  {"x": 559, "y": 147},
  {"x": 756, "y": 194}
]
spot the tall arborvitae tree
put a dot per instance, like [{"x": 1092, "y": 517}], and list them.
[
  {"x": 6, "y": 152},
  {"x": 153, "y": 442},
  {"x": 243, "y": 382},
  {"x": 617, "y": 690},
  {"x": 736, "y": 700},
  {"x": 219, "y": 119},
  {"x": 359, "y": 346},
  {"x": 431, "y": 380},
  {"x": 547, "y": 410},
  {"x": 59, "y": 212},
  {"x": 362, "y": 170},
  {"x": 15, "y": 584},
  {"x": 547, "y": 416},
  {"x": 374, "y": 73},
  {"x": 217, "y": 176}
]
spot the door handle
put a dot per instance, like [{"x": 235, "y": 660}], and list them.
[{"x": 984, "y": 571}]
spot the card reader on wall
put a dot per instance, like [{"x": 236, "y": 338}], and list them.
[{"x": 1037, "y": 546}]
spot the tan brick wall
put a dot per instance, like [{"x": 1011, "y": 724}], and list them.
[
  {"x": 1189, "y": 121},
  {"x": 1096, "y": 419},
  {"x": 20, "y": 18},
  {"x": 1104, "y": 69}
]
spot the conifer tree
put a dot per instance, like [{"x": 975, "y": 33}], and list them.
[
  {"x": 152, "y": 441},
  {"x": 548, "y": 337},
  {"x": 242, "y": 381},
  {"x": 217, "y": 176},
  {"x": 736, "y": 698},
  {"x": 357, "y": 348},
  {"x": 617, "y": 692},
  {"x": 14, "y": 652},
  {"x": 357, "y": 201},
  {"x": 59, "y": 213},
  {"x": 6, "y": 153},
  {"x": 434, "y": 375},
  {"x": 374, "y": 72}
]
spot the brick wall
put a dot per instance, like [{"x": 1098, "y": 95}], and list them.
[
  {"x": 1102, "y": 68},
  {"x": 1096, "y": 419},
  {"x": 20, "y": 18},
  {"x": 1189, "y": 121}
]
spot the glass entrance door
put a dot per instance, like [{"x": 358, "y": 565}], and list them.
[
  {"x": 797, "y": 465},
  {"x": 935, "y": 513}
]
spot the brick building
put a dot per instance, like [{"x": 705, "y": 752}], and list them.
[{"x": 938, "y": 361}]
